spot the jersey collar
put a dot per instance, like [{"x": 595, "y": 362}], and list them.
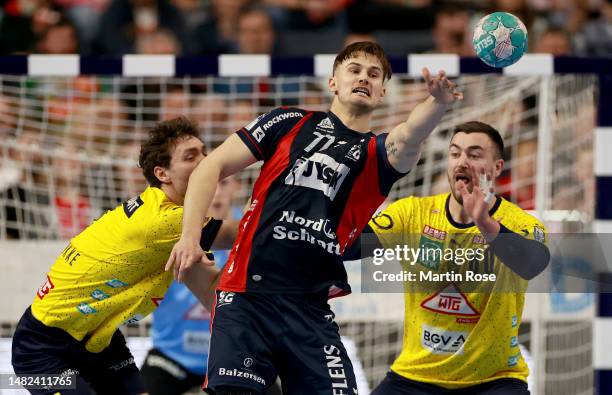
[
  {"x": 340, "y": 126},
  {"x": 456, "y": 224}
]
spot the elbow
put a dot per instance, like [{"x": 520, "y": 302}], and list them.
[{"x": 536, "y": 264}]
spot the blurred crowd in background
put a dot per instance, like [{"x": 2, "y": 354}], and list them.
[
  {"x": 68, "y": 145},
  {"x": 291, "y": 27}
]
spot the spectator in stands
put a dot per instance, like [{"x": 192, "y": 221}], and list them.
[
  {"x": 26, "y": 208},
  {"x": 523, "y": 173},
  {"x": 368, "y": 15},
  {"x": 59, "y": 39},
  {"x": 451, "y": 31},
  {"x": 72, "y": 206},
  {"x": 554, "y": 41},
  {"x": 8, "y": 117},
  {"x": 519, "y": 8},
  {"x": 174, "y": 103},
  {"x": 128, "y": 178},
  {"x": 256, "y": 33},
  {"x": 219, "y": 33},
  {"x": 314, "y": 98},
  {"x": 124, "y": 21},
  {"x": 309, "y": 15},
  {"x": 23, "y": 21},
  {"x": 355, "y": 37},
  {"x": 241, "y": 113},
  {"x": 158, "y": 42},
  {"x": 595, "y": 39},
  {"x": 211, "y": 112}
]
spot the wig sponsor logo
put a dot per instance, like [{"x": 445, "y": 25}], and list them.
[
  {"x": 452, "y": 302},
  {"x": 320, "y": 172}
]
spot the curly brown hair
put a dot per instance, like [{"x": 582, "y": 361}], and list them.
[{"x": 157, "y": 150}]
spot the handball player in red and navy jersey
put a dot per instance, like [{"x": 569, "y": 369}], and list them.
[{"x": 323, "y": 176}]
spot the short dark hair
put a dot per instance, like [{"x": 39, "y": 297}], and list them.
[
  {"x": 481, "y": 127},
  {"x": 156, "y": 151},
  {"x": 369, "y": 48}
]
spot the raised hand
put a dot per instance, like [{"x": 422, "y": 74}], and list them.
[
  {"x": 184, "y": 256},
  {"x": 476, "y": 203},
  {"x": 441, "y": 88}
]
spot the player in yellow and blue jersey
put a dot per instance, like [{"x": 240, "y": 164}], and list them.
[
  {"x": 112, "y": 274},
  {"x": 460, "y": 337}
]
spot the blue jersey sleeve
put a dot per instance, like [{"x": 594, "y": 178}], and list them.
[{"x": 263, "y": 134}]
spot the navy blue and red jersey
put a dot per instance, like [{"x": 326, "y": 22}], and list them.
[{"x": 319, "y": 185}]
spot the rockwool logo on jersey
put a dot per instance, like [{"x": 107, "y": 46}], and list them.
[
  {"x": 260, "y": 132},
  {"x": 319, "y": 172},
  {"x": 441, "y": 341}
]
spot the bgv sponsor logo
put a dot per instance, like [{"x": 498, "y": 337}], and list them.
[
  {"x": 320, "y": 172},
  {"x": 441, "y": 341}
]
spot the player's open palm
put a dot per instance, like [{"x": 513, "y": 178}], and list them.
[
  {"x": 440, "y": 87},
  {"x": 476, "y": 202}
]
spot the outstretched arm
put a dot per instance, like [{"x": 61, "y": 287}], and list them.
[
  {"x": 523, "y": 256},
  {"x": 231, "y": 157},
  {"x": 405, "y": 140}
]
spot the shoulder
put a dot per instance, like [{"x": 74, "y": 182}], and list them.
[
  {"x": 513, "y": 217},
  {"x": 422, "y": 203}
]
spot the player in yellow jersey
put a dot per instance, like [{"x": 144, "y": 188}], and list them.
[
  {"x": 460, "y": 333},
  {"x": 112, "y": 274}
]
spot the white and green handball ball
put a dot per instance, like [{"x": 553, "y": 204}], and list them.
[{"x": 500, "y": 39}]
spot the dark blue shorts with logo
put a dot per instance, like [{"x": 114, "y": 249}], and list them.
[
  {"x": 40, "y": 349},
  {"x": 256, "y": 337}
]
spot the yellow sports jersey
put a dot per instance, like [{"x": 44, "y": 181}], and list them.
[
  {"x": 112, "y": 273},
  {"x": 455, "y": 338}
]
